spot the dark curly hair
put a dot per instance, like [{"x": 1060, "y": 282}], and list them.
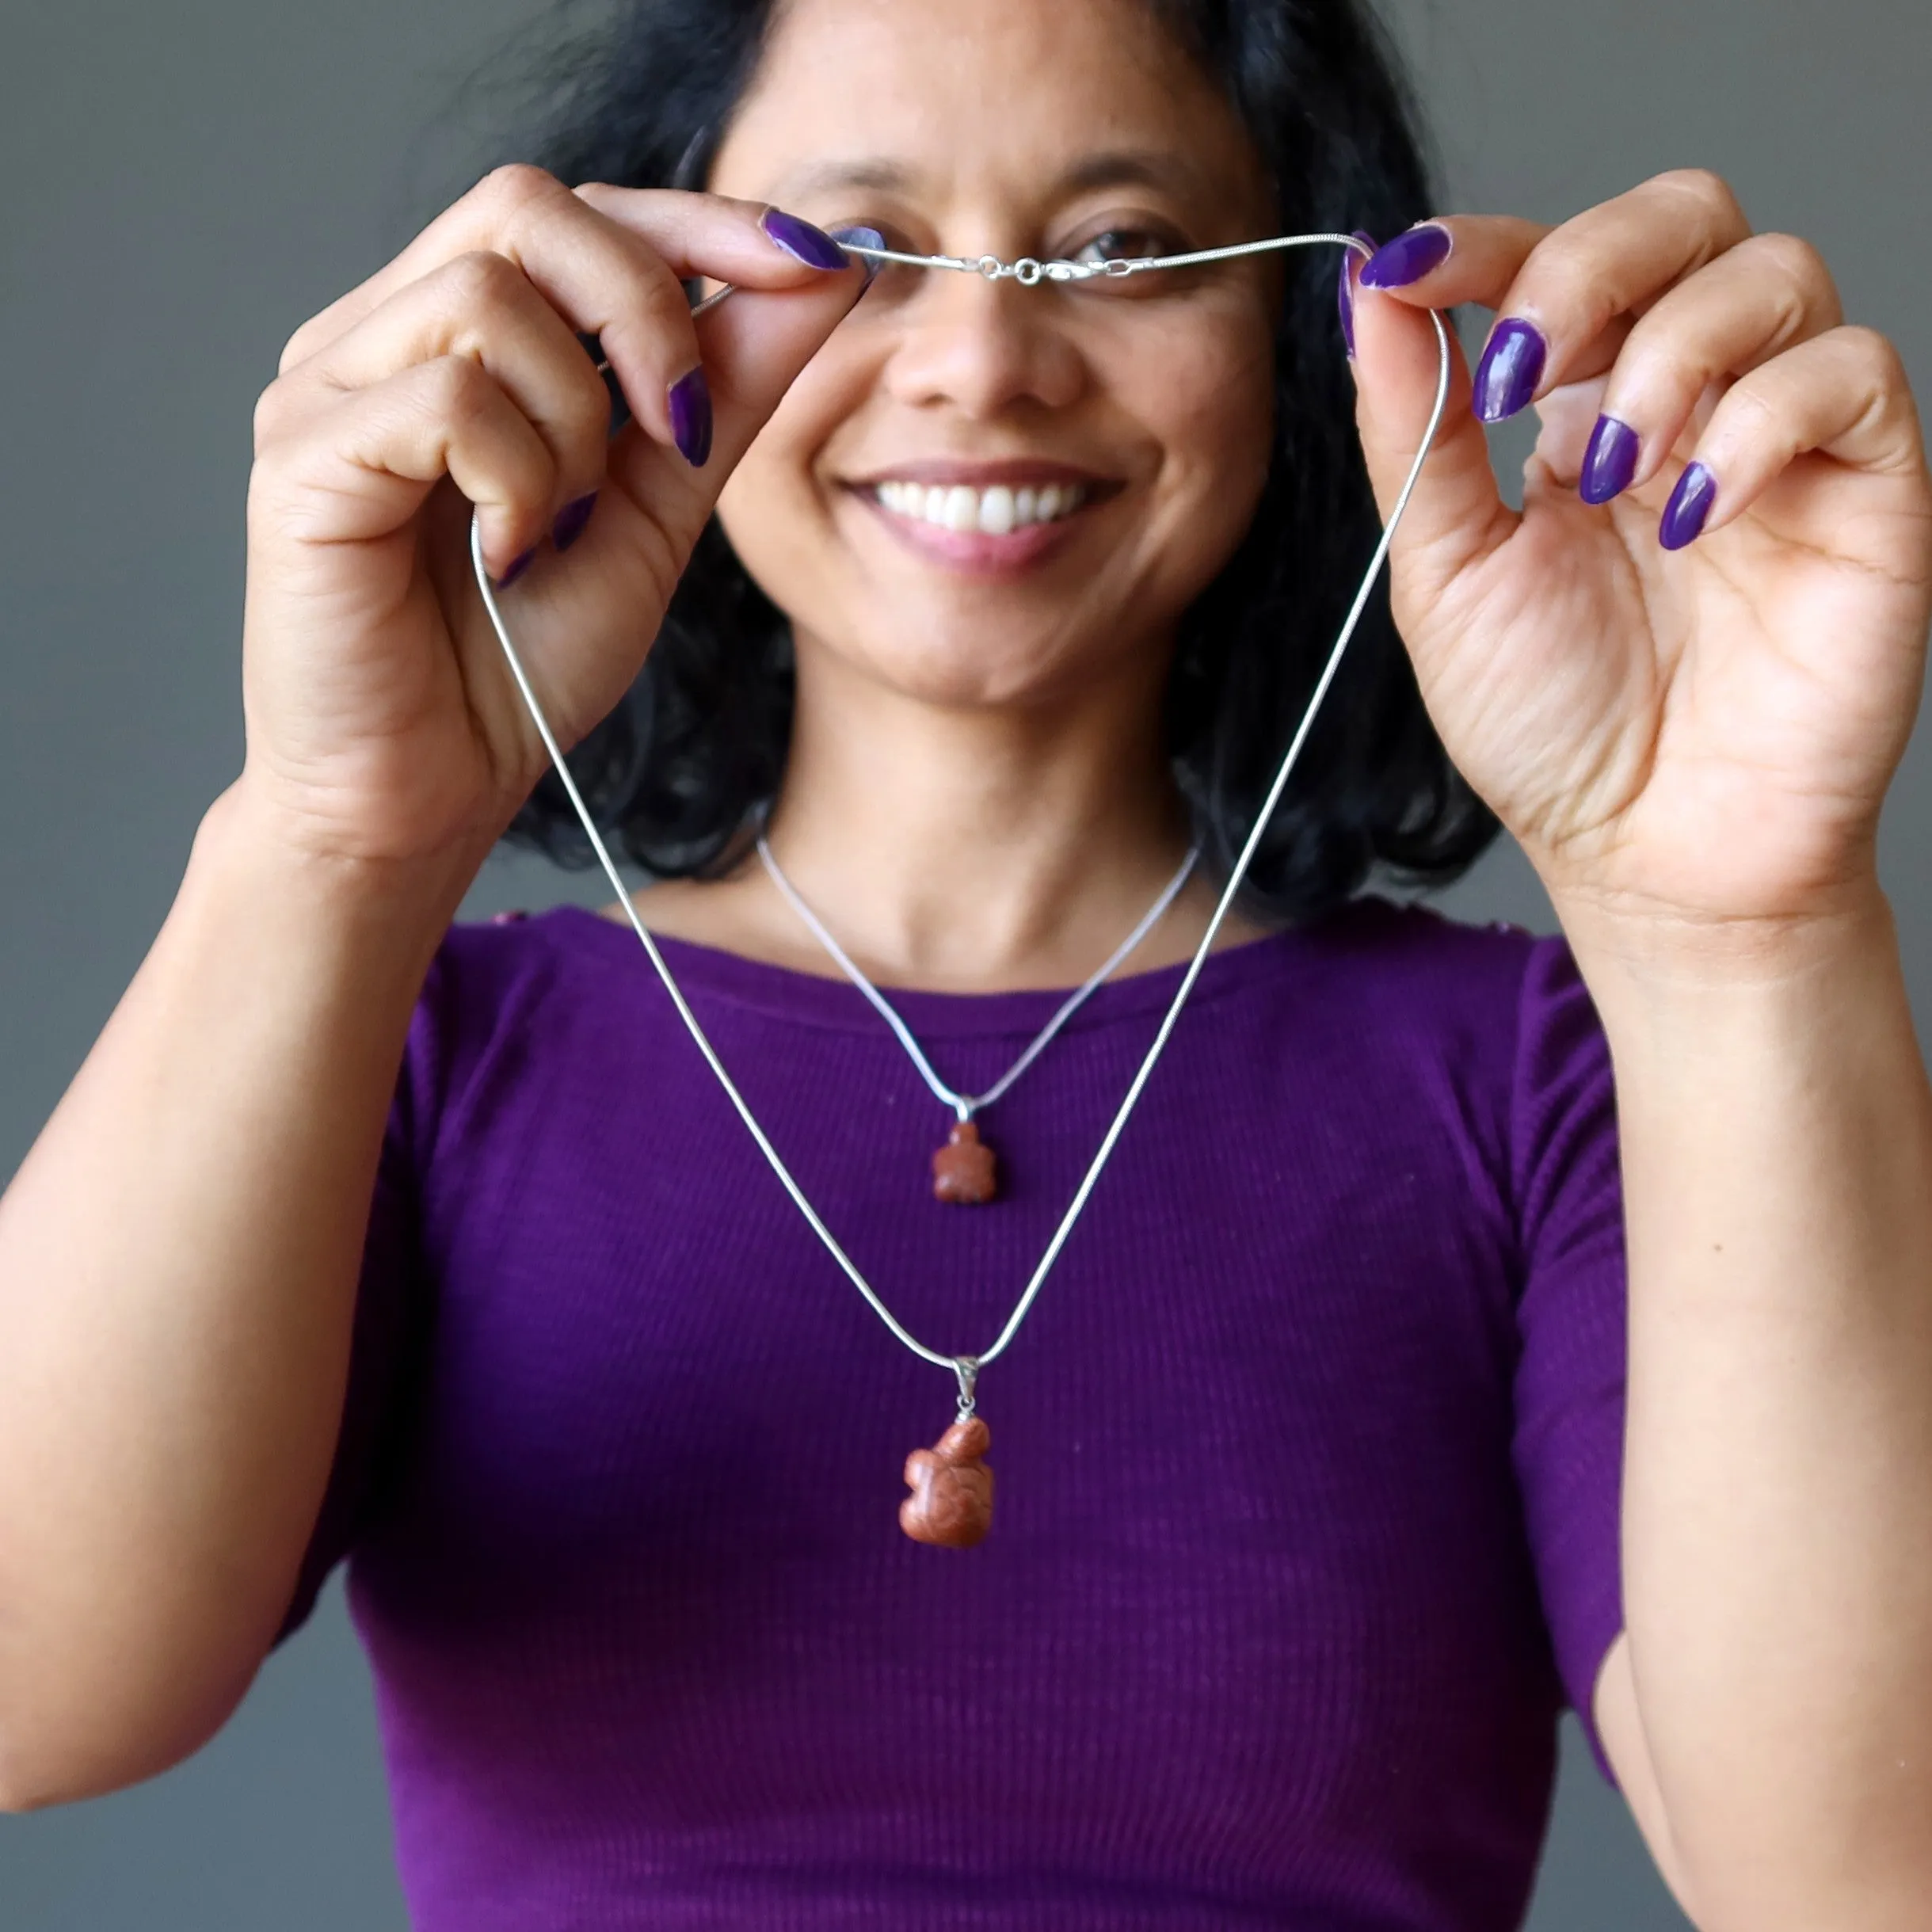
[{"x": 680, "y": 771}]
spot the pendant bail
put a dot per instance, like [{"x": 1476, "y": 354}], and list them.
[{"x": 966, "y": 1368}]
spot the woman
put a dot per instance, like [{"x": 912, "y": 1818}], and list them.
[{"x": 1318, "y": 1494}]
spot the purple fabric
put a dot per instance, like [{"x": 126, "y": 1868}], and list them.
[{"x": 1308, "y": 1455}]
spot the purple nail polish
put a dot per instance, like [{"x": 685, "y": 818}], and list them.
[
  {"x": 690, "y": 399},
  {"x": 1345, "y": 291},
  {"x": 1610, "y": 461},
  {"x": 571, "y": 520},
  {"x": 866, "y": 237},
  {"x": 517, "y": 568},
  {"x": 811, "y": 246},
  {"x": 1511, "y": 367},
  {"x": 1414, "y": 252},
  {"x": 1689, "y": 509}
]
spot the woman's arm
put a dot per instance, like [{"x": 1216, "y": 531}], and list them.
[
  {"x": 178, "y": 1261},
  {"x": 1776, "y": 1126},
  {"x": 178, "y": 1256},
  {"x": 1683, "y": 674}
]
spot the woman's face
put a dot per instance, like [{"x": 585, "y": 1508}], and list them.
[{"x": 1042, "y": 127}]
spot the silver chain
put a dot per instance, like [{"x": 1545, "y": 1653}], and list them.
[
  {"x": 1027, "y": 271},
  {"x": 966, "y": 1367},
  {"x": 966, "y": 1106}
]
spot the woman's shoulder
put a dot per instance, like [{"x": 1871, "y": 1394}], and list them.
[{"x": 1380, "y": 950}]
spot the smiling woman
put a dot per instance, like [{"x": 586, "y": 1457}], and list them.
[
  {"x": 917, "y": 630},
  {"x": 1278, "y": 121}
]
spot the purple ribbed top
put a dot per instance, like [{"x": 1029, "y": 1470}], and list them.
[{"x": 1308, "y": 1455}]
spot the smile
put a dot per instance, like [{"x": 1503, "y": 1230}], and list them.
[{"x": 997, "y": 510}]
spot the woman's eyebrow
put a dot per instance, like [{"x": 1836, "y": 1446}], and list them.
[{"x": 1109, "y": 168}]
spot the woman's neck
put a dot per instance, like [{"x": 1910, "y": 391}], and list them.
[{"x": 962, "y": 849}]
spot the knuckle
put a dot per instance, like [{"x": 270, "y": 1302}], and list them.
[
  {"x": 271, "y": 412},
  {"x": 656, "y": 315},
  {"x": 1874, "y": 353},
  {"x": 1749, "y": 408},
  {"x": 299, "y": 346},
  {"x": 481, "y": 278},
  {"x": 1703, "y": 185},
  {"x": 461, "y": 390},
  {"x": 586, "y": 412},
  {"x": 515, "y": 185},
  {"x": 1870, "y": 344},
  {"x": 663, "y": 307},
  {"x": 1567, "y": 271},
  {"x": 1801, "y": 284},
  {"x": 1793, "y": 257}
]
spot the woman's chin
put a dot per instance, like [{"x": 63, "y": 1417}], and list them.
[{"x": 952, "y": 665}]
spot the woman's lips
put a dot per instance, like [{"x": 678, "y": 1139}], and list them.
[
  {"x": 986, "y": 518},
  {"x": 979, "y": 553}
]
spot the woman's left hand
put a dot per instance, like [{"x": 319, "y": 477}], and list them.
[{"x": 1700, "y": 735}]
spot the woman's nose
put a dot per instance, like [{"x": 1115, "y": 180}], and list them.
[{"x": 981, "y": 347}]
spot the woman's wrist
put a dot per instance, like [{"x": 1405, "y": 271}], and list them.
[
  {"x": 246, "y": 829},
  {"x": 246, "y": 855},
  {"x": 1682, "y": 980}
]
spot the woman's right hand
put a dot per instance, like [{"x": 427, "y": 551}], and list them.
[{"x": 383, "y": 721}]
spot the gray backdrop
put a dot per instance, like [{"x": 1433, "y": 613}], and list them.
[{"x": 185, "y": 182}]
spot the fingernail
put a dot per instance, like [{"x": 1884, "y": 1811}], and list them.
[
  {"x": 690, "y": 399},
  {"x": 1689, "y": 509},
  {"x": 1345, "y": 292},
  {"x": 517, "y": 569},
  {"x": 571, "y": 520},
  {"x": 811, "y": 246},
  {"x": 1414, "y": 252},
  {"x": 866, "y": 237},
  {"x": 1610, "y": 461},
  {"x": 1511, "y": 367}
]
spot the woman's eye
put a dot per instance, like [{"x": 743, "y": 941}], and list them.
[{"x": 1122, "y": 245}]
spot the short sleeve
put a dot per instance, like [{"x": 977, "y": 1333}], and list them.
[
  {"x": 390, "y": 1330},
  {"x": 1568, "y": 1442}
]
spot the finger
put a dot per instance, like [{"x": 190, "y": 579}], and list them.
[
  {"x": 1844, "y": 394},
  {"x": 754, "y": 346},
  {"x": 1457, "y": 514},
  {"x": 483, "y": 307},
  {"x": 360, "y": 470},
  {"x": 606, "y": 280},
  {"x": 529, "y": 215},
  {"x": 1754, "y": 301},
  {"x": 1556, "y": 292}
]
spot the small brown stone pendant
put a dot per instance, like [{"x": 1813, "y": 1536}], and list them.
[
  {"x": 951, "y": 1503},
  {"x": 964, "y": 1169}
]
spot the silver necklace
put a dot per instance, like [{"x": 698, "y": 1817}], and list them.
[
  {"x": 952, "y": 1499},
  {"x": 965, "y": 1169}
]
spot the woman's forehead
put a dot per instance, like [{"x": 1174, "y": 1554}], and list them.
[{"x": 859, "y": 93}]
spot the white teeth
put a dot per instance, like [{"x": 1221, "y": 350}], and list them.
[{"x": 995, "y": 511}]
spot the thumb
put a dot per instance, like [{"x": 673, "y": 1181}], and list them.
[
  {"x": 1457, "y": 516},
  {"x": 756, "y": 343},
  {"x": 753, "y": 343}
]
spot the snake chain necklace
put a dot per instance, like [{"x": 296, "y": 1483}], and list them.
[
  {"x": 952, "y": 1499},
  {"x": 965, "y": 1169}
]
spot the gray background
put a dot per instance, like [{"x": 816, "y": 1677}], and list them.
[{"x": 183, "y": 184}]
